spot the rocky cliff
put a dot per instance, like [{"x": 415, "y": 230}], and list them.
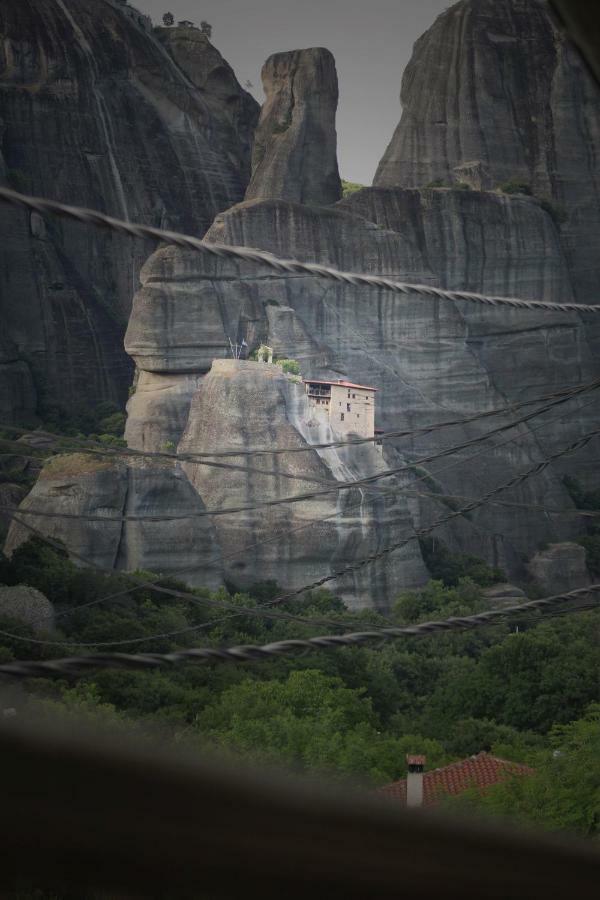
[
  {"x": 494, "y": 93},
  {"x": 432, "y": 361},
  {"x": 295, "y": 148},
  {"x": 237, "y": 405},
  {"x": 97, "y": 110}
]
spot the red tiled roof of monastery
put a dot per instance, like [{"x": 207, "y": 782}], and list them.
[
  {"x": 349, "y": 384},
  {"x": 480, "y": 771}
]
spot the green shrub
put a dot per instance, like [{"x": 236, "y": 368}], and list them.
[
  {"x": 516, "y": 186},
  {"x": 437, "y": 183},
  {"x": 461, "y": 186},
  {"x": 350, "y": 187},
  {"x": 451, "y": 567},
  {"x": 289, "y": 366},
  {"x": 113, "y": 424}
]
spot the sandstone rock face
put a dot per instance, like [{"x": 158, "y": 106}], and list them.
[
  {"x": 94, "y": 111},
  {"x": 252, "y": 405},
  {"x": 431, "y": 360},
  {"x": 493, "y": 88},
  {"x": 79, "y": 485},
  {"x": 157, "y": 412},
  {"x": 208, "y": 71},
  {"x": 238, "y": 404},
  {"x": 560, "y": 567},
  {"x": 295, "y": 147},
  {"x": 28, "y": 605}
]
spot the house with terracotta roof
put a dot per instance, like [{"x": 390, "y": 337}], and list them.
[
  {"x": 347, "y": 407},
  {"x": 421, "y": 788}
]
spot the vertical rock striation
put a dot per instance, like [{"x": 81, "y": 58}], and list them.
[
  {"x": 95, "y": 111},
  {"x": 494, "y": 92},
  {"x": 431, "y": 360},
  {"x": 295, "y": 155}
]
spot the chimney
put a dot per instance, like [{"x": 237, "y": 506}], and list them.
[{"x": 414, "y": 780}]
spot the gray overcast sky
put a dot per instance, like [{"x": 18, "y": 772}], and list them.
[{"x": 370, "y": 39}]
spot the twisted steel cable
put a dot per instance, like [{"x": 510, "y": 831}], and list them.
[
  {"x": 43, "y": 206},
  {"x": 78, "y": 665},
  {"x": 264, "y": 609},
  {"x": 367, "y": 482},
  {"x": 91, "y": 446},
  {"x": 141, "y": 583}
]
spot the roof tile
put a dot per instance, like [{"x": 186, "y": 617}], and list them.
[{"x": 480, "y": 771}]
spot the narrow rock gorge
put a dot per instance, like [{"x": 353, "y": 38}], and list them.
[{"x": 433, "y": 216}]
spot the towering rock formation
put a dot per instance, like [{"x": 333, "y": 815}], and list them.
[
  {"x": 295, "y": 146},
  {"x": 95, "y": 111},
  {"x": 494, "y": 92},
  {"x": 432, "y": 360}
]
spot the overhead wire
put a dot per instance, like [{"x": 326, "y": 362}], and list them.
[
  {"x": 85, "y": 443},
  {"x": 185, "y": 570},
  {"x": 331, "y": 486},
  {"x": 79, "y": 665},
  {"x": 43, "y": 206},
  {"x": 423, "y": 532}
]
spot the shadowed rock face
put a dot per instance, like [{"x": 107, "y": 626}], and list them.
[
  {"x": 494, "y": 89},
  {"x": 294, "y": 154},
  {"x": 560, "y": 567},
  {"x": 431, "y": 360},
  {"x": 94, "y": 111},
  {"x": 249, "y": 405},
  {"x": 237, "y": 405},
  {"x": 79, "y": 485}
]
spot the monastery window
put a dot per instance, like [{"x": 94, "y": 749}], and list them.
[
  {"x": 347, "y": 407},
  {"x": 354, "y": 396},
  {"x": 341, "y": 417}
]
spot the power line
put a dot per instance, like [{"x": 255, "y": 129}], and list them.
[
  {"x": 331, "y": 486},
  {"x": 254, "y": 653},
  {"x": 284, "y": 266},
  {"x": 536, "y": 469},
  {"x": 88, "y": 444},
  {"x": 469, "y": 507},
  {"x": 187, "y": 569}
]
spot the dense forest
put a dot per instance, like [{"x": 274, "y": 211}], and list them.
[{"x": 525, "y": 689}]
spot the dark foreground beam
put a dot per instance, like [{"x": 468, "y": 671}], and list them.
[{"x": 91, "y": 811}]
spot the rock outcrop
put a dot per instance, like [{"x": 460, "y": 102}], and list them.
[
  {"x": 559, "y": 567},
  {"x": 251, "y": 405},
  {"x": 28, "y": 605},
  {"x": 432, "y": 361},
  {"x": 104, "y": 513},
  {"x": 295, "y": 154},
  {"x": 494, "y": 91},
  {"x": 95, "y": 111},
  {"x": 238, "y": 404}
]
